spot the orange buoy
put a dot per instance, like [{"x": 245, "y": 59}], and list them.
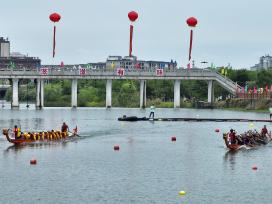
[
  {"x": 33, "y": 161},
  {"x": 173, "y": 139},
  {"x": 254, "y": 168},
  {"x": 217, "y": 130},
  {"x": 116, "y": 147}
]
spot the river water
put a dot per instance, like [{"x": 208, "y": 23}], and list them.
[{"x": 149, "y": 168}]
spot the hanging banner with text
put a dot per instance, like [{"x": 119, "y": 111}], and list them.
[
  {"x": 43, "y": 71},
  {"x": 120, "y": 71},
  {"x": 159, "y": 72},
  {"x": 82, "y": 71}
]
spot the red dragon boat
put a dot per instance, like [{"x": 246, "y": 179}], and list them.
[
  {"x": 254, "y": 140},
  {"x": 231, "y": 147},
  {"x": 33, "y": 137}
]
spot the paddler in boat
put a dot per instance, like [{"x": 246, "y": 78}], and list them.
[
  {"x": 265, "y": 133},
  {"x": 232, "y": 136},
  {"x": 16, "y": 132},
  {"x": 64, "y": 128}
]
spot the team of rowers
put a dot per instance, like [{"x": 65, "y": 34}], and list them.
[
  {"x": 250, "y": 137},
  {"x": 44, "y": 135}
]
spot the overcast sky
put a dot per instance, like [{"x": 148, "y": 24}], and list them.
[{"x": 230, "y": 31}]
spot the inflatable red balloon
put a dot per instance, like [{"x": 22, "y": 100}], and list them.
[
  {"x": 133, "y": 16},
  {"x": 54, "y": 17},
  {"x": 192, "y": 22}
]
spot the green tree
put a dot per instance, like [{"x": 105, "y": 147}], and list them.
[{"x": 264, "y": 78}]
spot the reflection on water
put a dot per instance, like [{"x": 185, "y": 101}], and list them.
[
  {"x": 149, "y": 168},
  {"x": 230, "y": 158},
  {"x": 41, "y": 145}
]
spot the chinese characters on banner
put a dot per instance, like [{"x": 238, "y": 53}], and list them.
[
  {"x": 159, "y": 72},
  {"x": 82, "y": 71},
  {"x": 120, "y": 71},
  {"x": 44, "y": 71}
]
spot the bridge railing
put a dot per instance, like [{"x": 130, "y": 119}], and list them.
[
  {"x": 228, "y": 81},
  {"x": 58, "y": 71}
]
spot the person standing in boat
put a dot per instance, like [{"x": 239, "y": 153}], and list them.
[
  {"x": 152, "y": 112},
  {"x": 232, "y": 136},
  {"x": 264, "y": 131},
  {"x": 64, "y": 127},
  {"x": 16, "y": 131}
]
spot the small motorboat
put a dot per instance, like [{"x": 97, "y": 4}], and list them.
[{"x": 34, "y": 137}]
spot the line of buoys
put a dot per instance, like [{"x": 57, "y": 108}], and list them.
[
  {"x": 173, "y": 138},
  {"x": 116, "y": 148},
  {"x": 33, "y": 161}
]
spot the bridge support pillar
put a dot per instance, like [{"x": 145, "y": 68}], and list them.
[
  {"x": 210, "y": 91},
  {"x": 15, "y": 93},
  {"x": 177, "y": 94},
  {"x": 108, "y": 93},
  {"x": 142, "y": 93},
  {"x": 40, "y": 93},
  {"x": 74, "y": 93}
]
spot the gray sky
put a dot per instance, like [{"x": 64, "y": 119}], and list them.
[{"x": 230, "y": 31}]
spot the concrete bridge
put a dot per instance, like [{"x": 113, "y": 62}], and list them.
[{"x": 143, "y": 75}]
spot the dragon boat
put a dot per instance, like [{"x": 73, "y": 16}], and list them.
[
  {"x": 248, "y": 140},
  {"x": 44, "y": 136}
]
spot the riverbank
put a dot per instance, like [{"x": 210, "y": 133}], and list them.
[{"x": 256, "y": 105}]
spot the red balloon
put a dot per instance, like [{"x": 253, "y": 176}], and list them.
[
  {"x": 191, "y": 22},
  {"x": 133, "y": 15},
  {"x": 55, "y": 17}
]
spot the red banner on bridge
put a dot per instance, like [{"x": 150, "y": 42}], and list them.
[
  {"x": 120, "y": 71},
  {"x": 43, "y": 71},
  {"x": 159, "y": 72},
  {"x": 82, "y": 71}
]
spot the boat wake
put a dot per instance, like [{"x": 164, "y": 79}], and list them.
[{"x": 244, "y": 147}]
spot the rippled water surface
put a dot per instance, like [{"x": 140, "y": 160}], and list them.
[{"x": 149, "y": 168}]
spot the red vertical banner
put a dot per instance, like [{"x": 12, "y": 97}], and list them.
[
  {"x": 54, "y": 41},
  {"x": 133, "y": 16},
  {"x": 192, "y": 22},
  {"x": 191, "y": 45},
  {"x": 120, "y": 71},
  {"x": 54, "y": 17},
  {"x": 130, "y": 40}
]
